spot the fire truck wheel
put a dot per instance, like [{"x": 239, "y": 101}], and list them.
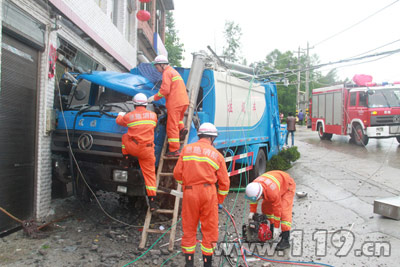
[
  {"x": 398, "y": 139},
  {"x": 322, "y": 135},
  {"x": 260, "y": 166},
  {"x": 359, "y": 137}
]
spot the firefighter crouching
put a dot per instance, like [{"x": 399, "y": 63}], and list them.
[
  {"x": 139, "y": 142},
  {"x": 199, "y": 167},
  {"x": 276, "y": 189},
  {"x": 176, "y": 101}
]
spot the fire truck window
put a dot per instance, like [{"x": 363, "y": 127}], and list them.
[
  {"x": 362, "y": 100},
  {"x": 353, "y": 99}
]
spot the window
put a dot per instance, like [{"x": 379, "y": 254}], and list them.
[
  {"x": 114, "y": 13},
  {"x": 353, "y": 99},
  {"x": 362, "y": 99}
]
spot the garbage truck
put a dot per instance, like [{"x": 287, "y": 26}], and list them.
[{"x": 87, "y": 141}]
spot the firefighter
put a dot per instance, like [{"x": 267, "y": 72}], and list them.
[
  {"x": 199, "y": 168},
  {"x": 139, "y": 142},
  {"x": 276, "y": 189},
  {"x": 174, "y": 90}
]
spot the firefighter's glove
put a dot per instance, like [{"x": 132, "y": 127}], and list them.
[
  {"x": 276, "y": 232},
  {"x": 251, "y": 214},
  {"x": 121, "y": 113},
  {"x": 150, "y": 99},
  {"x": 220, "y": 206}
]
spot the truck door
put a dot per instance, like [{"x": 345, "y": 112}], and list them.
[
  {"x": 352, "y": 111},
  {"x": 362, "y": 107}
]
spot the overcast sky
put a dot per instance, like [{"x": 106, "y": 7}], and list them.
[{"x": 287, "y": 24}]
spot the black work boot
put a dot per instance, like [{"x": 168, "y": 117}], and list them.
[
  {"x": 189, "y": 260},
  {"x": 153, "y": 204},
  {"x": 207, "y": 260},
  {"x": 284, "y": 243}
]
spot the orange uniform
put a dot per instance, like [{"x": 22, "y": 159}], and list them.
[
  {"x": 174, "y": 90},
  {"x": 139, "y": 142},
  {"x": 199, "y": 168},
  {"x": 278, "y": 193}
]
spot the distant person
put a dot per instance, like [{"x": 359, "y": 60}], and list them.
[
  {"x": 301, "y": 117},
  {"x": 291, "y": 127}
]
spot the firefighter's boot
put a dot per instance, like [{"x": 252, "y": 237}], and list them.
[
  {"x": 207, "y": 260},
  {"x": 284, "y": 243},
  {"x": 189, "y": 260},
  {"x": 153, "y": 204}
]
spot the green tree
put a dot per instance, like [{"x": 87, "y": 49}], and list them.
[
  {"x": 172, "y": 43},
  {"x": 232, "y": 34},
  {"x": 282, "y": 68}
]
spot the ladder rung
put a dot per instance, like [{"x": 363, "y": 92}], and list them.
[
  {"x": 175, "y": 158},
  {"x": 164, "y": 211},
  {"x": 161, "y": 192},
  {"x": 166, "y": 174},
  {"x": 155, "y": 231}
]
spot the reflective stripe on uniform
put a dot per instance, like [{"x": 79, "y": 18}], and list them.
[
  {"x": 179, "y": 182},
  {"x": 207, "y": 250},
  {"x": 270, "y": 216},
  {"x": 160, "y": 95},
  {"x": 223, "y": 192},
  {"x": 177, "y": 78},
  {"x": 173, "y": 140},
  {"x": 142, "y": 122},
  {"x": 151, "y": 188},
  {"x": 180, "y": 122},
  {"x": 123, "y": 146},
  {"x": 286, "y": 223},
  {"x": 201, "y": 159},
  {"x": 273, "y": 179},
  {"x": 189, "y": 249}
]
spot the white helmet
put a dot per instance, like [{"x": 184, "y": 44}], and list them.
[
  {"x": 161, "y": 59},
  {"x": 253, "y": 191},
  {"x": 140, "y": 100},
  {"x": 207, "y": 129}
]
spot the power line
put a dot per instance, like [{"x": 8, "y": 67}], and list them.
[{"x": 348, "y": 28}]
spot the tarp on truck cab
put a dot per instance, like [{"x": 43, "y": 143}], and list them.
[{"x": 125, "y": 83}]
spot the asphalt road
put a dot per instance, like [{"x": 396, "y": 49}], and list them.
[{"x": 342, "y": 181}]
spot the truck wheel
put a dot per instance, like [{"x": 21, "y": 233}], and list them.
[
  {"x": 359, "y": 137},
  {"x": 398, "y": 139},
  {"x": 260, "y": 166},
  {"x": 322, "y": 135}
]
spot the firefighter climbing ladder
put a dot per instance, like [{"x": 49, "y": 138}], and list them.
[{"x": 193, "y": 85}]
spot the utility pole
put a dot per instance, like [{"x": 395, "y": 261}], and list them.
[
  {"x": 298, "y": 80},
  {"x": 307, "y": 79}
]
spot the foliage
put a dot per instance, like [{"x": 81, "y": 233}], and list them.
[
  {"x": 172, "y": 42},
  {"x": 232, "y": 34},
  {"x": 282, "y": 161},
  {"x": 280, "y": 67}
]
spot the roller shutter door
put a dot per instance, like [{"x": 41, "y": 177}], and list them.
[{"x": 18, "y": 105}]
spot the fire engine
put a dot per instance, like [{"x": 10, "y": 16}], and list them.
[{"x": 363, "y": 110}]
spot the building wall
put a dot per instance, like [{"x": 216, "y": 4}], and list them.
[
  {"x": 95, "y": 23},
  {"x": 95, "y": 20}
]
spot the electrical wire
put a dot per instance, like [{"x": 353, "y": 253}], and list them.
[{"x": 352, "y": 26}]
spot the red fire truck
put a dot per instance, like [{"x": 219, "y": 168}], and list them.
[{"x": 362, "y": 112}]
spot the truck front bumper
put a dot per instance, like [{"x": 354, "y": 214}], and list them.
[{"x": 383, "y": 131}]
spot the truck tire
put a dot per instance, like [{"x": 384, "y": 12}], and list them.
[
  {"x": 358, "y": 136},
  {"x": 260, "y": 166},
  {"x": 398, "y": 139},
  {"x": 322, "y": 135}
]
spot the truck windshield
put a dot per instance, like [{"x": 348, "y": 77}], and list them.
[{"x": 384, "y": 98}]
